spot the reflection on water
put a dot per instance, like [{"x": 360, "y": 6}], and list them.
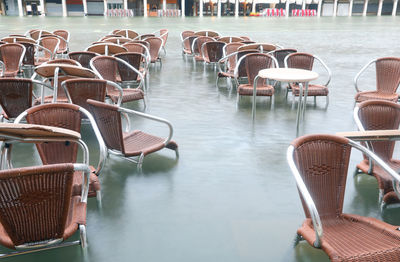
[{"x": 230, "y": 195}]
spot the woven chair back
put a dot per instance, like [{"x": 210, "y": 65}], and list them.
[{"x": 15, "y": 95}]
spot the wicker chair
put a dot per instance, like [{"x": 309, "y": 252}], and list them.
[
  {"x": 28, "y": 62},
  {"x": 64, "y": 36},
  {"x": 163, "y": 34},
  {"x": 156, "y": 44},
  {"x": 144, "y": 36},
  {"x": 387, "y": 80},
  {"x": 212, "y": 51},
  {"x": 281, "y": 54},
  {"x": 82, "y": 57},
  {"x": 186, "y": 34},
  {"x": 135, "y": 60},
  {"x": 187, "y": 44},
  {"x": 126, "y": 33},
  {"x": 38, "y": 209},
  {"x": 228, "y": 61},
  {"x": 79, "y": 90},
  {"x": 253, "y": 64},
  {"x": 306, "y": 61},
  {"x": 319, "y": 164},
  {"x": 68, "y": 116},
  {"x": 36, "y": 34},
  {"x": 11, "y": 55},
  {"x": 50, "y": 43},
  {"x": 132, "y": 143},
  {"x": 379, "y": 115},
  {"x": 108, "y": 68},
  {"x": 197, "y": 44},
  {"x": 139, "y": 48},
  {"x": 262, "y": 47}
]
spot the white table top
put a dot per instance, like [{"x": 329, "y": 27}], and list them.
[{"x": 288, "y": 74}]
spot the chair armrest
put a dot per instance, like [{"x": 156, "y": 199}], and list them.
[
  {"x": 327, "y": 70},
  {"x": 39, "y": 47},
  {"x": 306, "y": 197},
  {"x": 43, "y": 85},
  {"x": 359, "y": 74},
  {"x": 141, "y": 84},
  {"x": 154, "y": 118}
]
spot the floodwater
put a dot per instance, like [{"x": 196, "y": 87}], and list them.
[{"x": 230, "y": 196}]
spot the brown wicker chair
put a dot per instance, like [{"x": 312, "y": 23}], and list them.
[
  {"x": 187, "y": 45},
  {"x": 126, "y": 33},
  {"x": 127, "y": 75},
  {"x": 28, "y": 63},
  {"x": 108, "y": 68},
  {"x": 144, "y": 36},
  {"x": 36, "y": 34},
  {"x": 281, "y": 54},
  {"x": 379, "y": 115},
  {"x": 132, "y": 143},
  {"x": 64, "y": 36},
  {"x": 387, "y": 80},
  {"x": 262, "y": 47},
  {"x": 16, "y": 96},
  {"x": 11, "y": 55},
  {"x": 82, "y": 57},
  {"x": 186, "y": 34},
  {"x": 50, "y": 43},
  {"x": 306, "y": 61},
  {"x": 319, "y": 164},
  {"x": 197, "y": 44},
  {"x": 253, "y": 64},
  {"x": 212, "y": 51},
  {"x": 38, "y": 209},
  {"x": 139, "y": 48},
  {"x": 156, "y": 44},
  {"x": 68, "y": 116},
  {"x": 228, "y": 61}
]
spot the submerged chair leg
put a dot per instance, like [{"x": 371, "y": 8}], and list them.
[
  {"x": 327, "y": 101},
  {"x": 82, "y": 231},
  {"x": 98, "y": 198},
  {"x": 140, "y": 162},
  {"x": 297, "y": 240}
]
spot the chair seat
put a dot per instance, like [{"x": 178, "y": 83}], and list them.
[
  {"x": 76, "y": 216},
  {"x": 247, "y": 90},
  {"x": 138, "y": 142},
  {"x": 355, "y": 238},
  {"x": 128, "y": 95},
  {"x": 313, "y": 90},
  {"x": 94, "y": 183},
  {"x": 368, "y": 95},
  {"x": 384, "y": 179}
]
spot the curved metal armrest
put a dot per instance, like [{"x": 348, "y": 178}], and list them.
[
  {"x": 202, "y": 50},
  {"x": 327, "y": 70},
  {"x": 395, "y": 176},
  {"x": 100, "y": 141},
  {"x": 55, "y": 48},
  {"x": 140, "y": 86},
  {"x": 154, "y": 118},
  {"x": 238, "y": 63},
  {"x": 21, "y": 59},
  {"x": 43, "y": 85},
  {"x": 39, "y": 47},
  {"x": 359, "y": 74},
  {"x": 3, "y": 68},
  {"x": 86, "y": 176},
  {"x": 193, "y": 46},
  {"x": 306, "y": 197}
]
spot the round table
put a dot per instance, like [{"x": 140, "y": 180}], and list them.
[
  {"x": 289, "y": 75},
  {"x": 106, "y": 48}
]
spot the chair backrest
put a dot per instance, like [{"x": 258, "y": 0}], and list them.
[
  {"x": 322, "y": 161},
  {"x": 11, "y": 54},
  {"x": 82, "y": 57},
  {"x": 214, "y": 51},
  {"x": 50, "y": 42},
  {"x": 108, "y": 119},
  {"x": 281, "y": 54},
  {"x": 262, "y": 47},
  {"x": 241, "y": 68},
  {"x": 145, "y": 43},
  {"x": 144, "y": 36},
  {"x": 135, "y": 47},
  {"x": 256, "y": 62},
  {"x": 380, "y": 115},
  {"x": 207, "y": 33},
  {"x": 186, "y": 34},
  {"x": 106, "y": 66},
  {"x": 387, "y": 74},
  {"x": 134, "y": 59},
  {"x": 189, "y": 42},
  {"x": 15, "y": 95},
  {"x": 230, "y": 49},
  {"x": 64, "y": 38},
  {"x": 164, "y": 35},
  {"x": 58, "y": 115},
  {"x": 82, "y": 89},
  {"x": 29, "y": 57},
  {"x": 300, "y": 61},
  {"x": 35, "y": 202},
  {"x": 200, "y": 41},
  {"x": 230, "y": 39},
  {"x": 155, "y": 47}
]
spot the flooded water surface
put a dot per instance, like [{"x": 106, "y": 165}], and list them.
[{"x": 230, "y": 196}]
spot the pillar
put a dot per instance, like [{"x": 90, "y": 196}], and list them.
[
  {"x": 43, "y": 8},
  {"x": 125, "y": 4},
  {"x": 287, "y": 8},
  {"x": 20, "y": 11},
  {"x": 219, "y": 8},
  {"x": 335, "y": 6},
  {"x": 303, "y": 6},
  {"x": 182, "y": 7},
  {"x": 201, "y": 5},
  {"x": 319, "y": 8},
  {"x": 351, "y": 7},
  {"x": 380, "y": 8},
  {"x": 394, "y": 11},
  {"x": 164, "y": 5},
  {"x": 365, "y": 8},
  {"x": 145, "y": 8},
  {"x": 253, "y": 7},
  {"x": 64, "y": 7},
  {"x": 105, "y": 7},
  {"x": 237, "y": 8}
]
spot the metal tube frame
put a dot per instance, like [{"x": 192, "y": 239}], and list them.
[{"x": 359, "y": 74}]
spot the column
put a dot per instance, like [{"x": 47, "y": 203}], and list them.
[
  {"x": 145, "y": 8},
  {"x": 201, "y": 5},
  {"x": 219, "y": 8},
  {"x": 287, "y": 8},
  {"x": 253, "y": 7},
  {"x": 164, "y": 5},
  {"x": 335, "y": 6},
  {"x": 182, "y": 7},
  {"x": 3, "y": 7},
  {"x": 351, "y": 7},
  {"x": 20, "y": 11},
  {"x": 365, "y": 8},
  {"x": 64, "y": 7},
  {"x": 319, "y": 8},
  {"x": 237, "y": 8},
  {"x": 380, "y": 8},
  {"x": 394, "y": 8},
  {"x": 303, "y": 6},
  {"x": 105, "y": 7},
  {"x": 125, "y": 4},
  {"x": 43, "y": 8}
]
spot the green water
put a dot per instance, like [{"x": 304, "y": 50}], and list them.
[{"x": 230, "y": 196}]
